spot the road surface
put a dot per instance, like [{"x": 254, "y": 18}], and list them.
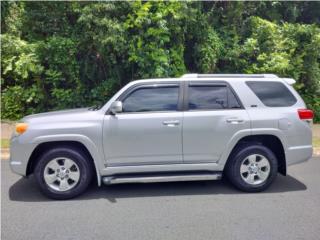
[{"x": 290, "y": 209}]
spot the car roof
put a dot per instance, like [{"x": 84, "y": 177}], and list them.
[{"x": 219, "y": 77}]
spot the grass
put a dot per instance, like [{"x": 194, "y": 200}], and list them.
[
  {"x": 5, "y": 143},
  {"x": 8, "y": 121},
  {"x": 316, "y": 142}
]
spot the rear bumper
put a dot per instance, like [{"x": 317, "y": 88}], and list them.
[
  {"x": 19, "y": 156},
  {"x": 298, "y": 154}
]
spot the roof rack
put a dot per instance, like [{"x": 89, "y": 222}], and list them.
[{"x": 196, "y": 75}]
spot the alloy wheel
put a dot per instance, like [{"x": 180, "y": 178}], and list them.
[
  {"x": 255, "y": 169},
  {"x": 61, "y": 174}
]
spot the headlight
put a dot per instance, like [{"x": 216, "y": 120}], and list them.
[{"x": 21, "y": 128}]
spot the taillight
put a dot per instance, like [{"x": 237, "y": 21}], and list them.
[{"x": 305, "y": 114}]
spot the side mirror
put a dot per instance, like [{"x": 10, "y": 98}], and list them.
[{"x": 116, "y": 107}]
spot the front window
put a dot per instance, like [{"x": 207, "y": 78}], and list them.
[{"x": 146, "y": 99}]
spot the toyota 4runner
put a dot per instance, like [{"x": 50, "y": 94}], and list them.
[{"x": 197, "y": 127}]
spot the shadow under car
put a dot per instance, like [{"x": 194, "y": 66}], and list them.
[{"x": 26, "y": 189}]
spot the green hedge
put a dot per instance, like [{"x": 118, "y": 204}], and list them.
[{"x": 58, "y": 55}]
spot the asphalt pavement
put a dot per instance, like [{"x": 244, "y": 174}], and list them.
[{"x": 289, "y": 209}]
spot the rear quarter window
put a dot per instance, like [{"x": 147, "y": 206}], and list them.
[{"x": 272, "y": 94}]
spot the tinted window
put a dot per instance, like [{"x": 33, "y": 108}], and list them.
[
  {"x": 232, "y": 100},
  {"x": 211, "y": 97},
  {"x": 273, "y": 94},
  {"x": 152, "y": 99}
]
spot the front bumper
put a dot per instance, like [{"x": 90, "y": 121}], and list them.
[{"x": 19, "y": 155}]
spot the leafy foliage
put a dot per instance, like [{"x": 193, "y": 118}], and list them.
[
  {"x": 59, "y": 55},
  {"x": 156, "y": 43}
]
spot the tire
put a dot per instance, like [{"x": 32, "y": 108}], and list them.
[
  {"x": 252, "y": 168},
  {"x": 63, "y": 173}
]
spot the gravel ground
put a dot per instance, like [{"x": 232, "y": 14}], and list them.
[
  {"x": 6, "y": 130},
  {"x": 316, "y": 130}
]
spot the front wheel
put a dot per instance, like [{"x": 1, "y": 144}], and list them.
[
  {"x": 252, "y": 168},
  {"x": 63, "y": 173}
]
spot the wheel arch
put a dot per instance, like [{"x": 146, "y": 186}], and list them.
[
  {"x": 268, "y": 140},
  {"x": 44, "y": 146}
]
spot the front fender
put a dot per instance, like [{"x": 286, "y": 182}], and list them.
[{"x": 87, "y": 142}]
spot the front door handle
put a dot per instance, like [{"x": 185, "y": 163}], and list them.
[
  {"x": 171, "y": 123},
  {"x": 234, "y": 120}
]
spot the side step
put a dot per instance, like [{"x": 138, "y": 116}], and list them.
[{"x": 161, "y": 177}]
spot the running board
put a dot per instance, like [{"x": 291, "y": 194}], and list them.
[{"x": 161, "y": 177}]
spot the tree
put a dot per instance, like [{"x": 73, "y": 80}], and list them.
[{"x": 59, "y": 55}]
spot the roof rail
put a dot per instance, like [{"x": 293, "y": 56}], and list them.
[
  {"x": 196, "y": 75},
  {"x": 290, "y": 81}
]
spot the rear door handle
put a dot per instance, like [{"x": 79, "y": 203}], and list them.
[
  {"x": 234, "y": 120},
  {"x": 171, "y": 123}
]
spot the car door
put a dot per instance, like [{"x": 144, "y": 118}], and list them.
[
  {"x": 213, "y": 114},
  {"x": 149, "y": 129}
]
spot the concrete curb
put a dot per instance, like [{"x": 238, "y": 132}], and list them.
[
  {"x": 5, "y": 153},
  {"x": 316, "y": 152}
]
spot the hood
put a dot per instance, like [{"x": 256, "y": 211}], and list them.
[{"x": 57, "y": 116}]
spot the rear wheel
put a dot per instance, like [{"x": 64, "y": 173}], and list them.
[
  {"x": 63, "y": 173},
  {"x": 252, "y": 168}
]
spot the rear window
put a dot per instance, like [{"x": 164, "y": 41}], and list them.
[
  {"x": 272, "y": 94},
  {"x": 207, "y": 97}
]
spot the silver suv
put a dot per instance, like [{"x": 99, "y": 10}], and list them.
[{"x": 197, "y": 127}]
